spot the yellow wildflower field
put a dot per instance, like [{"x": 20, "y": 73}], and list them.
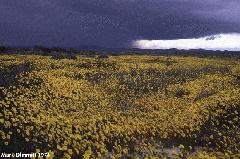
[{"x": 127, "y": 106}]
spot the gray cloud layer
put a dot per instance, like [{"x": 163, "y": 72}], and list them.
[{"x": 112, "y": 23}]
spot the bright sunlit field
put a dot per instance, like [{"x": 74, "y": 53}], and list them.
[{"x": 120, "y": 106}]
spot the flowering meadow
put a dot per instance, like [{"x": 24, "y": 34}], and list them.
[{"x": 128, "y": 106}]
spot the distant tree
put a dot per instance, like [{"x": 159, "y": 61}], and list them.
[
  {"x": 58, "y": 49},
  {"x": 3, "y": 49}
]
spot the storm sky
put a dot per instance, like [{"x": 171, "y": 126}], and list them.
[{"x": 113, "y": 23}]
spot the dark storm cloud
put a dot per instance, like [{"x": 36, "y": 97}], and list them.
[{"x": 112, "y": 23}]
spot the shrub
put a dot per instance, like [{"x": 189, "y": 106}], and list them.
[
  {"x": 103, "y": 56},
  {"x": 57, "y": 55}
]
